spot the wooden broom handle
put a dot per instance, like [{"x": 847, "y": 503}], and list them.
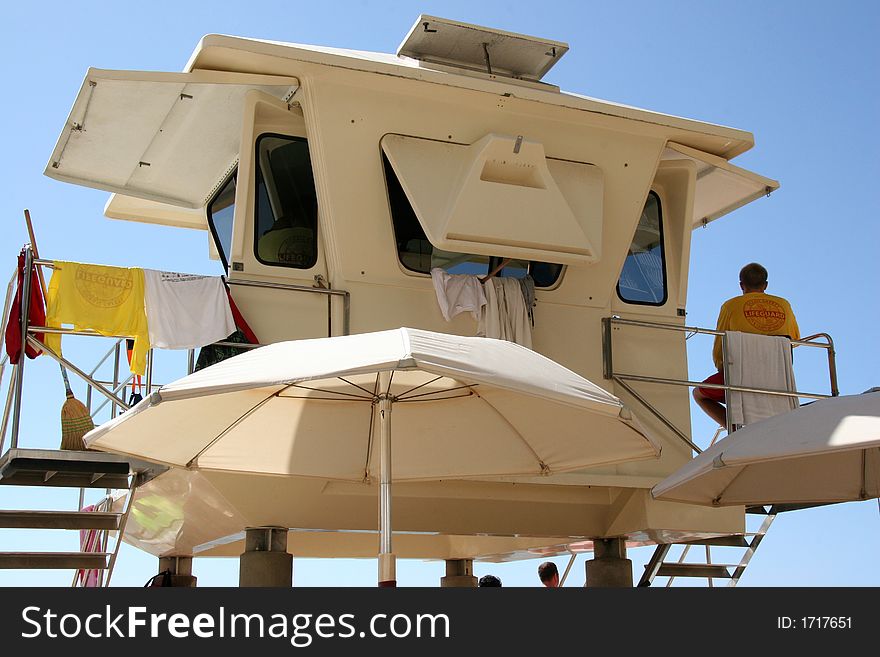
[{"x": 30, "y": 227}]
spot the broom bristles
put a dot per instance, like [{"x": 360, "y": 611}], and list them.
[{"x": 76, "y": 422}]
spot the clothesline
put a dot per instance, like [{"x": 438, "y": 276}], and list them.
[{"x": 166, "y": 310}]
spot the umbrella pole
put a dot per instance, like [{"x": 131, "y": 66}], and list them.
[{"x": 387, "y": 565}]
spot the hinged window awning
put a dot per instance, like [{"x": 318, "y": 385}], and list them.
[
  {"x": 165, "y": 137},
  {"x": 501, "y": 196},
  {"x": 721, "y": 186}
]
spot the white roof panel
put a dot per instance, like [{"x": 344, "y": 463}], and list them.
[{"x": 472, "y": 47}]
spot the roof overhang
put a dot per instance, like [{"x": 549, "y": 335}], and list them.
[
  {"x": 167, "y": 138},
  {"x": 221, "y": 52}
]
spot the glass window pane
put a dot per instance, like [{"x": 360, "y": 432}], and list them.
[
  {"x": 286, "y": 213},
  {"x": 221, "y": 209},
  {"x": 643, "y": 278}
]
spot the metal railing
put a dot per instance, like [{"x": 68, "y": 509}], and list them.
[{"x": 622, "y": 378}]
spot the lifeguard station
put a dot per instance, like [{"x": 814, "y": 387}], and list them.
[{"x": 329, "y": 184}]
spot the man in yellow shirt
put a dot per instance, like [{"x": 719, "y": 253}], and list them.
[{"x": 754, "y": 311}]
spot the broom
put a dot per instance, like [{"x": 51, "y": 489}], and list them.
[{"x": 76, "y": 421}]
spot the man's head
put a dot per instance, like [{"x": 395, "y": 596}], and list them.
[
  {"x": 549, "y": 574},
  {"x": 489, "y": 580},
  {"x": 753, "y": 278}
]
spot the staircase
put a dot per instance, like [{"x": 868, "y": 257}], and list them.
[
  {"x": 73, "y": 469},
  {"x": 662, "y": 564}
]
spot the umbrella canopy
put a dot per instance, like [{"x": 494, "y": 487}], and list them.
[
  {"x": 463, "y": 408},
  {"x": 827, "y": 451}
]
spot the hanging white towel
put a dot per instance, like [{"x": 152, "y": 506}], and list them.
[
  {"x": 185, "y": 311},
  {"x": 506, "y": 315},
  {"x": 758, "y": 361},
  {"x": 458, "y": 293}
]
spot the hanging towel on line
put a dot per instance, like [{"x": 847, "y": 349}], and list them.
[
  {"x": 108, "y": 300},
  {"x": 185, "y": 311},
  {"x": 505, "y": 316},
  {"x": 458, "y": 293}
]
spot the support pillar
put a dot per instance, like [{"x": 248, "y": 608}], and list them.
[
  {"x": 459, "y": 574},
  {"x": 180, "y": 568},
  {"x": 265, "y": 561},
  {"x": 609, "y": 567}
]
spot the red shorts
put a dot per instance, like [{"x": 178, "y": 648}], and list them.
[{"x": 715, "y": 394}]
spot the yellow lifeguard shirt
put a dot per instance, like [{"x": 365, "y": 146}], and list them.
[
  {"x": 755, "y": 312},
  {"x": 109, "y": 300}
]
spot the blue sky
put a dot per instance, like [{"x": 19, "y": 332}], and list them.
[{"x": 802, "y": 76}]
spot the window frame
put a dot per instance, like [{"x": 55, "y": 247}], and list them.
[
  {"x": 215, "y": 235},
  {"x": 258, "y": 172},
  {"x": 665, "y": 298}
]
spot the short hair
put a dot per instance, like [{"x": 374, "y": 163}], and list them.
[
  {"x": 489, "y": 580},
  {"x": 547, "y": 570},
  {"x": 753, "y": 276}
]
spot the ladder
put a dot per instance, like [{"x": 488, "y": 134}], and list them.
[
  {"x": 73, "y": 469},
  {"x": 662, "y": 565}
]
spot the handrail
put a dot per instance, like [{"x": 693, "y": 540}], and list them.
[
  {"x": 345, "y": 294},
  {"x": 19, "y": 370},
  {"x": 73, "y": 368},
  {"x": 621, "y": 378}
]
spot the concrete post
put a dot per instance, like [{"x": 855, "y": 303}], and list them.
[
  {"x": 265, "y": 561},
  {"x": 459, "y": 574},
  {"x": 609, "y": 566},
  {"x": 180, "y": 569}
]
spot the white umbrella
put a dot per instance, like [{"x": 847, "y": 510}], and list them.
[
  {"x": 463, "y": 408},
  {"x": 827, "y": 451}
]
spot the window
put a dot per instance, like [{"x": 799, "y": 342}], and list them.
[
  {"x": 286, "y": 212},
  {"x": 643, "y": 279},
  {"x": 221, "y": 209},
  {"x": 416, "y": 253}
]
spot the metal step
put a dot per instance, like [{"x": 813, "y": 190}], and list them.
[
  {"x": 53, "y": 560},
  {"x": 720, "y": 571},
  {"x": 735, "y": 540},
  {"x": 58, "y": 520},
  {"x": 44, "y": 467}
]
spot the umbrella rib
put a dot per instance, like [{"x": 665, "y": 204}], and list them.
[
  {"x": 330, "y": 392},
  {"x": 426, "y": 383},
  {"x": 717, "y": 500},
  {"x": 544, "y": 468},
  {"x": 370, "y": 431},
  {"x": 232, "y": 426},
  {"x": 356, "y": 398},
  {"x": 438, "y": 392},
  {"x": 351, "y": 383},
  {"x": 416, "y": 401}
]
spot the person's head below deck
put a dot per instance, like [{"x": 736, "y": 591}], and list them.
[
  {"x": 489, "y": 580},
  {"x": 548, "y": 574},
  {"x": 754, "y": 311}
]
